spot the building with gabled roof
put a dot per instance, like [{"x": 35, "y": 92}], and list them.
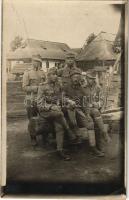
[
  {"x": 98, "y": 53},
  {"x": 50, "y": 52}
]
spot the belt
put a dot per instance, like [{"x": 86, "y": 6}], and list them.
[{"x": 29, "y": 93}]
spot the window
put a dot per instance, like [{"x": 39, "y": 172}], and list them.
[{"x": 47, "y": 64}]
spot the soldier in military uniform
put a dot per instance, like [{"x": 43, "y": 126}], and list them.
[
  {"x": 83, "y": 79},
  {"x": 48, "y": 102},
  {"x": 70, "y": 65},
  {"x": 76, "y": 93},
  {"x": 31, "y": 80},
  {"x": 93, "y": 97}
]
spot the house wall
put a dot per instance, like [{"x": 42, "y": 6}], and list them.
[
  {"x": 46, "y": 64},
  {"x": 50, "y": 63},
  {"x": 14, "y": 62}
]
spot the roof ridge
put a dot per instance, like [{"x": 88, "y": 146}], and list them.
[
  {"x": 101, "y": 40},
  {"x": 46, "y": 41},
  {"x": 107, "y": 33}
]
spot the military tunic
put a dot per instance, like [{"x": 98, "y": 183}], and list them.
[
  {"x": 31, "y": 81},
  {"x": 65, "y": 73},
  {"x": 78, "y": 95}
]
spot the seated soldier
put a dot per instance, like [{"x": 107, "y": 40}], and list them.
[
  {"x": 76, "y": 93},
  {"x": 48, "y": 102},
  {"x": 93, "y": 101}
]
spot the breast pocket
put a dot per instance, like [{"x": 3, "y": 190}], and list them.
[{"x": 33, "y": 82}]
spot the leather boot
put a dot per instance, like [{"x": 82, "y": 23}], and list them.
[
  {"x": 33, "y": 141},
  {"x": 96, "y": 152},
  {"x": 102, "y": 129},
  {"x": 91, "y": 137},
  {"x": 63, "y": 156},
  {"x": 71, "y": 135}
]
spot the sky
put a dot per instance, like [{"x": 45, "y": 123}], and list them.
[{"x": 69, "y": 22}]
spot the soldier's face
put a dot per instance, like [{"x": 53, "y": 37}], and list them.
[
  {"x": 36, "y": 64},
  {"x": 49, "y": 95},
  {"x": 76, "y": 79},
  {"x": 70, "y": 61},
  {"x": 90, "y": 81},
  {"x": 52, "y": 77}
]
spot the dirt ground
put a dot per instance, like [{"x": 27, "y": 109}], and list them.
[{"x": 25, "y": 163}]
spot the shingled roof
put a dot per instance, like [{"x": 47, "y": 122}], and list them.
[
  {"x": 101, "y": 48},
  {"x": 46, "y": 49}
]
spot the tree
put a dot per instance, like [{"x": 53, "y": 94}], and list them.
[
  {"x": 90, "y": 38},
  {"x": 16, "y": 43}
]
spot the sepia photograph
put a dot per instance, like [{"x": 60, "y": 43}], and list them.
[{"x": 64, "y": 73}]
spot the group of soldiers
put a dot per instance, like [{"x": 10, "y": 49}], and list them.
[{"x": 61, "y": 102}]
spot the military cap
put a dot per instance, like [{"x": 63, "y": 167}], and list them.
[
  {"x": 70, "y": 55},
  {"x": 37, "y": 58},
  {"x": 75, "y": 71},
  {"x": 91, "y": 74}
]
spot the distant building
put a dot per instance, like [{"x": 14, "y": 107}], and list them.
[
  {"x": 50, "y": 52},
  {"x": 98, "y": 53}
]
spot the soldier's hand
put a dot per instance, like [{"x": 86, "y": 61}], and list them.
[
  {"x": 55, "y": 108},
  {"x": 45, "y": 108},
  {"x": 96, "y": 105},
  {"x": 90, "y": 105},
  {"x": 71, "y": 103}
]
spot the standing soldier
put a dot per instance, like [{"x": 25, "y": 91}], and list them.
[
  {"x": 48, "y": 102},
  {"x": 76, "y": 93},
  {"x": 70, "y": 65},
  {"x": 93, "y": 92},
  {"x": 31, "y": 80}
]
